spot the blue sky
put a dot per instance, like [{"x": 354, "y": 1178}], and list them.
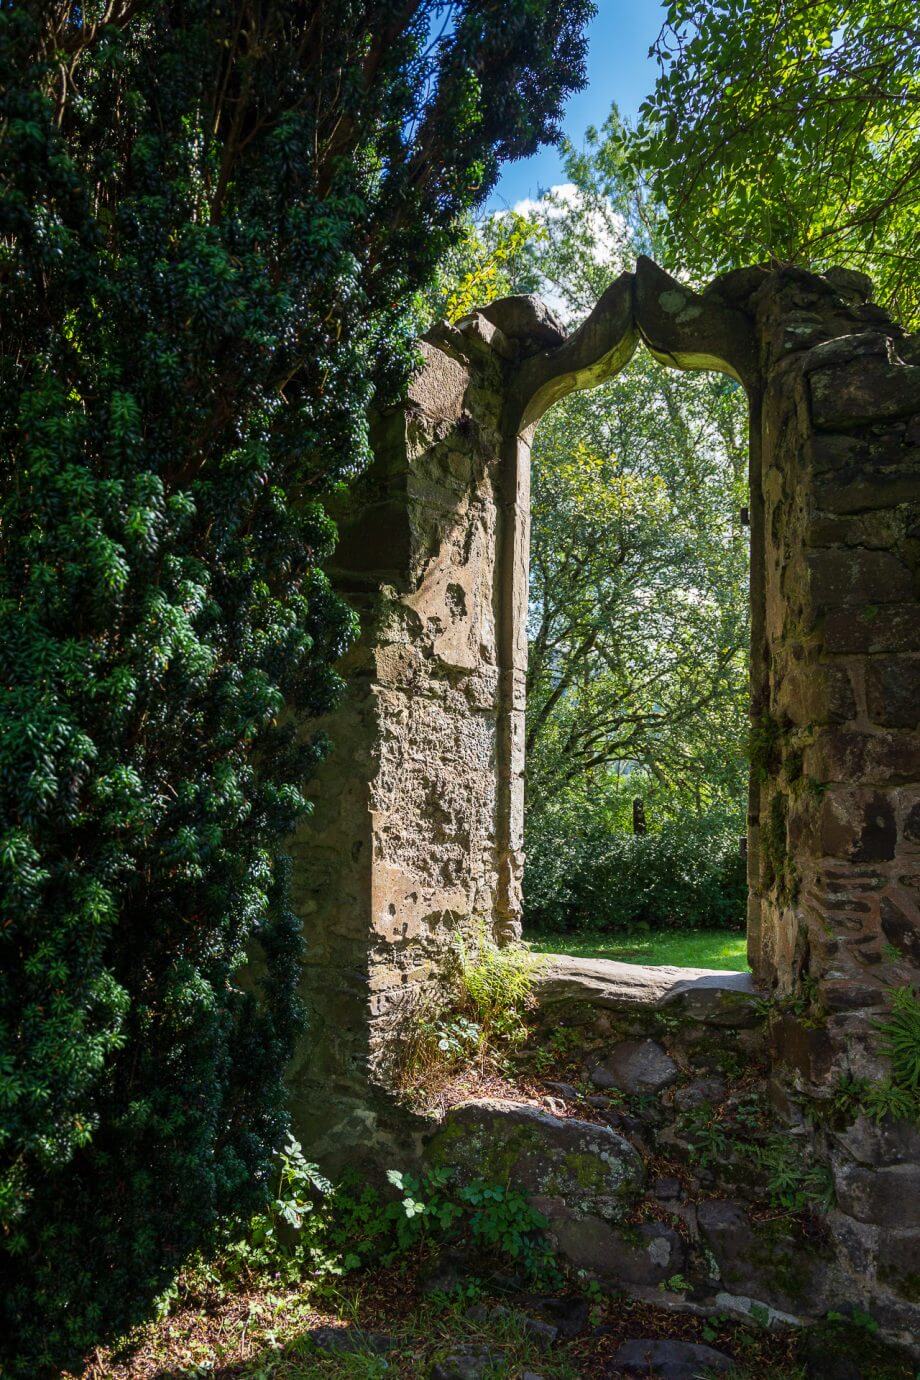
[{"x": 619, "y": 69}]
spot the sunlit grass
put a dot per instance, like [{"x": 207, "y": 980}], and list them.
[{"x": 677, "y": 948}]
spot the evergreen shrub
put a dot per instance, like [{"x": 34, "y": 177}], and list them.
[
  {"x": 688, "y": 875},
  {"x": 213, "y": 217}
]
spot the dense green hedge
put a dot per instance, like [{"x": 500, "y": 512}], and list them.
[
  {"x": 213, "y": 217},
  {"x": 689, "y": 875}
]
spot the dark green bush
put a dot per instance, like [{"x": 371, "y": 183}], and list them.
[
  {"x": 689, "y": 875},
  {"x": 213, "y": 217}
]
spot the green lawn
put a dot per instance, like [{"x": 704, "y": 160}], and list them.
[{"x": 679, "y": 948}]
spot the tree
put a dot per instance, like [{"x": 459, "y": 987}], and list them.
[
  {"x": 638, "y": 603},
  {"x": 638, "y": 621},
  {"x": 638, "y": 629},
  {"x": 214, "y": 215},
  {"x": 786, "y": 130}
]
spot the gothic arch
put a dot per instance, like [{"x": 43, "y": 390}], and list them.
[{"x": 417, "y": 830}]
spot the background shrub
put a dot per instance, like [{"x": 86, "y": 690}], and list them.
[{"x": 688, "y": 875}]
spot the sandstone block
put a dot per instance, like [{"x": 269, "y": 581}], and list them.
[
  {"x": 806, "y": 1049},
  {"x": 887, "y": 1196},
  {"x": 888, "y": 628},
  {"x": 345, "y": 1341},
  {"x": 470, "y": 1363},
  {"x": 858, "y": 824},
  {"x": 850, "y": 283},
  {"x": 643, "y": 1256},
  {"x": 851, "y": 756},
  {"x": 636, "y": 1066},
  {"x": 590, "y": 1168},
  {"x": 899, "y": 1262},
  {"x": 669, "y": 1359},
  {"x": 846, "y": 348},
  {"x": 893, "y": 690},
  {"x": 721, "y": 998},
  {"x": 768, "y": 1262},
  {"x": 699, "y": 1092},
  {"x": 900, "y": 917},
  {"x": 864, "y": 389},
  {"x": 872, "y": 1143},
  {"x": 841, "y": 577},
  {"x": 526, "y": 319},
  {"x": 440, "y": 387},
  {"x": 860, "y": 489}
]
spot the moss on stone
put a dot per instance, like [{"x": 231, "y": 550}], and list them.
[
  {"x": 784, "y": 1265},
  {"x": 830, "y": 1341},
  {"x": 793, "y": 764},
  {"x": 588, "y": 1171},
  {"x": 477, "y": 1154},
  {"x": 774, "y": 839},
  {"x": 764, "y": 747}
]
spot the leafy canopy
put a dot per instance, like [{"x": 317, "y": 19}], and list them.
[{"x": 790, "y": 130}]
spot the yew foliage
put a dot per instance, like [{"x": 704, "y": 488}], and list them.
[{"x": 213, "y": 217}]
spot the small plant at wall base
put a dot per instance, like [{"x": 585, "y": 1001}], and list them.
[
  {"x": 313, "y": 1228},
  {"x": 897, "y": 1096},
  {"x": 901, "y": 1039},
  {"x": 475, "y": 1019},
  {"x": 496, "y": 984}
]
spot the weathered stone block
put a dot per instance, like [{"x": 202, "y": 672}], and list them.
[
  {"x": 887, "y": 1196},
  {"x": 700, "y": 994},
  {"x": 527, "y": 320},
  {"x": 845, "y": 578},
  {"x": 642, "y": 1256},
  {"x": 844, "y": 349},
  {"x": 669, "y": 1359},
  {"x": 850, "y": 283},
  {"x": 873, "y": 628},
  {"x": 900, "y": 917},
  {"x": 700, "y": 1092},
  {"x": 864, "y": 389},
  {"x": 853, "y": 491},
  {"x": 440, "y": 387},
  {"x": 589, "y": 1167},
  {"x": 470, "y": 1363},
  {"x": 843, "y": 756},
  {"x": 636, "y": 1066},
  {"x": 893, "y": 691},
  {"x": 807, "y": 1050},
  {"x": 899, "y": 1263},
  {"x": 768, "y": 1262},
  {"x": 874, "y": 1143},
  {"x": 858, "y": 825}
]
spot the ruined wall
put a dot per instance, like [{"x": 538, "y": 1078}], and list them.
[
  {"x": 836, "y": 745},
  {"x": 412, "y": 841},
  {"x": 417, "y": 832}
]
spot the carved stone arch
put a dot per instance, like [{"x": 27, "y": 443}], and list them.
[{"x": 416, "y": 834}]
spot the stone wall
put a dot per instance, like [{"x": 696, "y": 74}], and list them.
[
  {"x": 666, "y": 1172},
  {"x": 405, "y": 848},
  {"x": 417, "y": 832},
  {"x": 836, "y": 740}
]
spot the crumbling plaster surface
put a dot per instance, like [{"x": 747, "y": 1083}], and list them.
[{"x": 418, "y": 825}]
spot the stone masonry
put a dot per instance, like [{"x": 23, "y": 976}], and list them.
[{"x": 417, "y": 831}]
